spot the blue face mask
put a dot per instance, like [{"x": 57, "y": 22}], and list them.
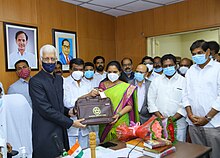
[
  {"x": 169, "y": 71},
  {"x": 158, "y": 69},
  {"x": 89, "y": 74},
  {"x": 199, "y": 59},
  {"x": 1, "y": 102},
  {"x": 49, "y": 67},
  {"x": 138, "y": 76}
]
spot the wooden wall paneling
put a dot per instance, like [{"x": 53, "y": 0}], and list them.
[
  {"x": 183, "y": 16},
  {"x": 159, "y": 21},
  {"x": 68, "y": 16},
  {"x": 215, "y": 5},
  {"x": 108, "y": 28},
  {"x": 120, "y": 27},
  {"x": 148, "y": 22},
  {"x": 19, "y": 11},
  {"x": 95, "y": 26},
  {"x": 197, "y": 13},
  {"x": 171, "y": 18},
  {"x": 133, "y": 25},
  {"x": 82, "y": 21},
  {"x": 50, "y": 13},
  {"x": 109, "y": 51}
]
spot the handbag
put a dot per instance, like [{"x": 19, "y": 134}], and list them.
[{"x": 95, "y": 110}]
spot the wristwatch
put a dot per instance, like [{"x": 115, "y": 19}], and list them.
[{"x": 208, "y": 118}]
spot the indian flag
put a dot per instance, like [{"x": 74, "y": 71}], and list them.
[{"x": 76, "y": 151}]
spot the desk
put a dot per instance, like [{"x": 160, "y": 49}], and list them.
[{"x": 183, "y": 150}]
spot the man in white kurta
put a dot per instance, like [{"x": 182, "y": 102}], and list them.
[
  {"x": 74, "y": 88},
  {"x": 165, "y": 95},
  {"x": 15, "y": 122},
  {"x": 202, "y": 98}
]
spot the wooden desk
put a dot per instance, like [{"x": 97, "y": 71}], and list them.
[{"x": 183, "y": 150}]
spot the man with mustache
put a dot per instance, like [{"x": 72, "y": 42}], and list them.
[
  {"x": 127, "y": 72},
  {"x": 21, "y": 39},
  {"x": 99, "y": 63}
]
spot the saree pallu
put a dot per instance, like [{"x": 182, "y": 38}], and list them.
[{"x": 121, "y": 95}]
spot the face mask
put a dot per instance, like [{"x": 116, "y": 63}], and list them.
[
  {"x": 24, "y": 73},
  {"x": 183, "y": 70},
  {"x": 49, "y": 67},
  {"x": 1, "y": 102},
  {"x": 169, "y": 71},
  {"x": 150, "y": 67},
  {"x": 113, "y": 77},
  {"x": 199, "y": 59},
  {"x": 77, "y": 75},
  {"x": 89, "y": 74},
  {"x": 211, "y": 57},
  {"x": 138, "y": 76},
  {"x": 158, "y": 69}
]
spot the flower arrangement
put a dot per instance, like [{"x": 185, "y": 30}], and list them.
[{"x": 154, "y": 128}]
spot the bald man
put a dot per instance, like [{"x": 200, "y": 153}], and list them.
[{"x": 142, "y": 91}]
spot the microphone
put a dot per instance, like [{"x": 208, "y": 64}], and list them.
[{"x": 137, "y": 144}]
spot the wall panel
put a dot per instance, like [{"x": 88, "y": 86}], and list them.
[
  {"x": 184, "y": 16},
  {"x": 95, "y": 31}
]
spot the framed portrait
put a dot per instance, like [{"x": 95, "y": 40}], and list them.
[
  {"x": 65, "y": 43},
  {"x": 20, "y": 44}
]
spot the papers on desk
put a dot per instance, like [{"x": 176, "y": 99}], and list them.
[{"x": 102, "y": 152}]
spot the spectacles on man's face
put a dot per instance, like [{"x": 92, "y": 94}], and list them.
[{"x": 47, "y": 59}]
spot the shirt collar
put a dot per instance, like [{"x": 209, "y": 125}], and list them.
[
  {"x": 210, "y": 63},
  {"x": 175, "y": 76},
  {"x": 23, "y": 80}
]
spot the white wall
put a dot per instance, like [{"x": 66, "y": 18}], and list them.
[{"x": 178, "y": 44}]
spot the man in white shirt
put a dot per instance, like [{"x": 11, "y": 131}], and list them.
[
  {"x": 142, "y": 91},
  {"x": 165, "y": 95},
  {"x": 158, "y": 70},
  {"x": 21, "y": 86},
  {"x": 100, "y": 74},
  {"x": 74, "y": 88},
  {"x": 21, "y": 40},
  {"x": 202, "y": 98},
  {"x": 89, "y": 75}
]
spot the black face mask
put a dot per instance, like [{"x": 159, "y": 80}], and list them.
[{"x": 100, "y": 68}]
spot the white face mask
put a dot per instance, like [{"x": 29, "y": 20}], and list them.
[
  {"x": 150, "y": 67},
  {"x": 183, "y": 70},
  {"x": 77, "y": 75},
  {"x": 113, "y": 77}
]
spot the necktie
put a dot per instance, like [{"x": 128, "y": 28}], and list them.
[{"x": 67, "y": 60}]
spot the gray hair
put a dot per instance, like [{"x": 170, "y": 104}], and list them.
[{"x": 48, "y": 49}]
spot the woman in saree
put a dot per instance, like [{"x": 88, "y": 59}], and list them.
[{"x": 121, "y": 95}]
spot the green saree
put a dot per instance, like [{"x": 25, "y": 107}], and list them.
[{"x": 121, "y": 95}]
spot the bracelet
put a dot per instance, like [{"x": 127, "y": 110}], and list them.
[{"x": 120, "y": 115}]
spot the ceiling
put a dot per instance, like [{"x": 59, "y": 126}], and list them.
[{"x": 121, "y": 7}]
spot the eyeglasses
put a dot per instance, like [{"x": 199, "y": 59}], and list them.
[
  {"x": 67, "y": 47},
  {"x": 47, "y": 59}
]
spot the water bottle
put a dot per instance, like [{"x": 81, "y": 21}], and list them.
[{"x": 23, "y": 153}]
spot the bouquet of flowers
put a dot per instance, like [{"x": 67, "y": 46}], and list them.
[{"x": 154, "y": 128}]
